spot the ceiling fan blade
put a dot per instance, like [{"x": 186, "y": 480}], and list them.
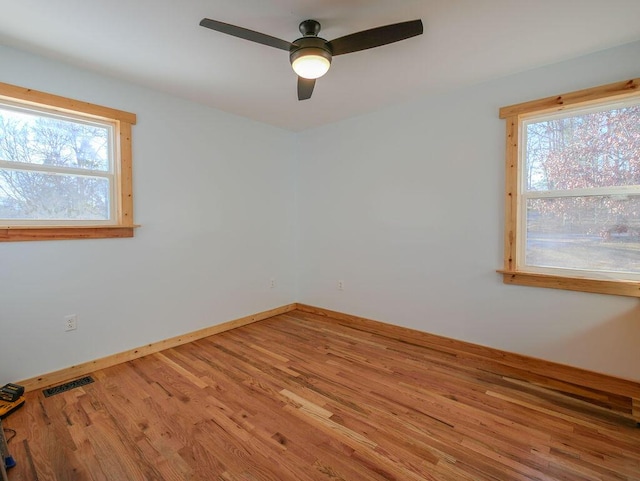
[
  {"x": 245, "y": 33},
  {"x": 376, "y": 37},
  {"x": 305, "y": 88}
]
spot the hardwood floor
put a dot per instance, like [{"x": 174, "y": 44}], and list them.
[{"x": 298, "y": 397}]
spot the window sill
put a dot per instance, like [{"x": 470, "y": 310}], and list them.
[
  {"x": 15, "y": 234},
  {"x": 600, "y": 286}
]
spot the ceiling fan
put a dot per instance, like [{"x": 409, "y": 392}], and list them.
[{"x": 310, "y": 55}]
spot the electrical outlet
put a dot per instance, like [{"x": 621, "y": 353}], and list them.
[
  {"x": 341, "y": 285},
  {"x": 70, "y": 322},
  {"x": 272, "y": 283}
]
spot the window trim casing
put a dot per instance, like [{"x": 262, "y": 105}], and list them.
[
  {"x": 514, "y": 114},
  {"x": 123, "y": 122}
]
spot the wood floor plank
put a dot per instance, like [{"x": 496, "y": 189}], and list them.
[{"x": 300, "y": 397}]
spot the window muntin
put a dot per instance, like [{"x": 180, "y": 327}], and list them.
[
  {"x": 65, "y": 168},
  {"x": 580, "y": 192},
  {"x": 596, "y": 209}
]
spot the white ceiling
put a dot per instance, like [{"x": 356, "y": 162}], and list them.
[{"x": 159, "y": 44}]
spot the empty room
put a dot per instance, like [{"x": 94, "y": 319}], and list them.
[{"x": 319, "y": 240}]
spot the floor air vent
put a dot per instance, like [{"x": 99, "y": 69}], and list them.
[{"x": 83, "y": 381}]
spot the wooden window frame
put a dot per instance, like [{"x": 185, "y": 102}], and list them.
[
  {"x": 123, "y": 122},
  {"x": 514, "y": 115}
]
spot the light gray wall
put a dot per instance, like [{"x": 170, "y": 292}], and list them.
[
  {"x": 213, "y": 194},
  {"x": 406, "y": 206}
]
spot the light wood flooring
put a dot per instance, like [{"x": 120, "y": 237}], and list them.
[{"x": 300, "y": 398}]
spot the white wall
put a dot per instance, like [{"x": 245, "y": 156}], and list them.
[
  {"x": 213, "y": 193},
  {"x": 406, "y": 206}
]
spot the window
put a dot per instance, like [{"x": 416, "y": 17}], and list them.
[
  {"x": 65, "y": 168},
  {"x": 572, "y": 216}
]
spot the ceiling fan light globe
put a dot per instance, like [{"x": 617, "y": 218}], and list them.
[{"x": 312, "y": 64}]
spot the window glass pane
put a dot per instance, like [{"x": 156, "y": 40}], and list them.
[
  {"x": 37, "y": 139},
  {"x": 26, "y": 195},
  {"x": 594, "y": 149},
  {"x": 593, "y": 233}
]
